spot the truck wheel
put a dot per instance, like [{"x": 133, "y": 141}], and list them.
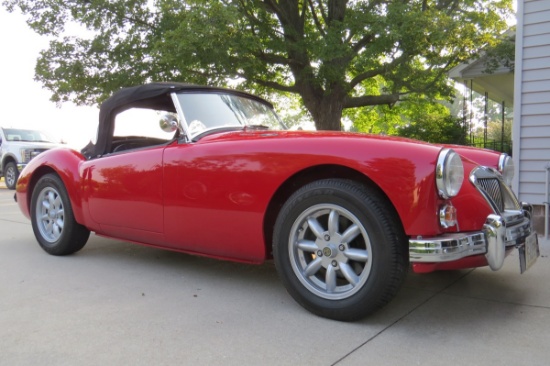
[
  {"x": 338, "y": 249},
  {"x": 52, "y": 218},
  {"x": 10, "y": 175}
]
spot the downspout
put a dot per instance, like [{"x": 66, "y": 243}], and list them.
[
  {"x": 547, "y": 203},
  {"x": 518, "y": 108}
]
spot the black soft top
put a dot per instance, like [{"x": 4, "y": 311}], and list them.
[{"x": 153, "y": 95}]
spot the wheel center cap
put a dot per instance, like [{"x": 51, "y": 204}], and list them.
[{"x": 327, "y": 252}]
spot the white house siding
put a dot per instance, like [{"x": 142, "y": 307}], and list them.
[{"x": 531, "y": 133}]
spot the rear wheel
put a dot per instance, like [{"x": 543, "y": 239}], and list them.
[
  {"x": 52, "y": 218},
  {"x": 338, "y": 250},
  {"x": 10, "y": 175}
]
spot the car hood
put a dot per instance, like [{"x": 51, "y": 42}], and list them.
[
  {"x": 479, "y": 156},
  {"x": 262, "y": 134}
]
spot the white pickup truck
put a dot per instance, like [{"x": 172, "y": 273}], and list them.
[{"x": 17, "y": 148}]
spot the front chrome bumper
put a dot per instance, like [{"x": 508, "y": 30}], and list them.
[{"x": 495, "y": 238}]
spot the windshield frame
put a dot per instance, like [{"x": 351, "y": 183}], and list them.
[{"x": 239, "y": 121}]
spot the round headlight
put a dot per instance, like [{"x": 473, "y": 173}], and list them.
[
  {"x": 449, "y": 173},
  {"x": 506, "y": 168}
]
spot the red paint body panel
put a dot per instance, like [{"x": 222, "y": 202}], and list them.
[
  {"x": 467, "y": 262},
  {"x": 464, "y": 263},
  {"x": 400, "y": 170},
  {"x": 124, "y": 194},
  {"x": 211, "y": 197},
  {"x": 483, "y": 157}
]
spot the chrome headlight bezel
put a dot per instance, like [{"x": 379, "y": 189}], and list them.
[
  {"x": 449, "y": 173},
  {"x": 506, "y": 168}
]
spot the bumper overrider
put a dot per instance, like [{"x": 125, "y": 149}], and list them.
[{"x": 507, "y": 228}]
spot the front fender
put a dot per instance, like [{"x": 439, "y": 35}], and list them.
[
  {"x": 62, "y": 161},
  {"x": 483, "y": 157}
]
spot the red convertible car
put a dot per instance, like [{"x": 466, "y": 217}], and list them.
[{"x": 343, "y": 215}]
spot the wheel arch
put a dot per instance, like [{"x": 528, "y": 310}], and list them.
[
  {"x": 306, "y": 176},
  {"x": 41, "y": 166},
  {"x": 7, "y": 158},
  {"x": 38, "y": 173}
]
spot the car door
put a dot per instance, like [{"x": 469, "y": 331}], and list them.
[
  {"x": 125, "y": 187},
  {"x": 126, "y": 190},
  {"x": 214, "y": 201}
]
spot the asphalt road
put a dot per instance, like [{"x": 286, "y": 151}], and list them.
[{"x": 115, "y": 303}]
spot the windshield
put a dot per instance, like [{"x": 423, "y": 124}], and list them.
[
  {"x": 205, "y": 111},
  {"x": 15, "y": 134}
]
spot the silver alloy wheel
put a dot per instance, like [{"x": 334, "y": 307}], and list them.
[
  {"x": 11, "y": 176},
  {"x": 330, "y": 251},
  {"x": 50, "y": 214}
]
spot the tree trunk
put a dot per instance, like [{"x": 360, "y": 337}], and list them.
[
  {"x": 326, "y": 110},
  {"x": 327, "y": 115}
]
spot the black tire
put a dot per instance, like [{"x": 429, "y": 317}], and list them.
[
  {"x": 10, "y": 175},
  {"x": 338, "y": 250},
  {"x": 53, "y": 220}
]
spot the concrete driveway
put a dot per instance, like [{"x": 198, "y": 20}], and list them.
[{"x": 115, "y": 303}]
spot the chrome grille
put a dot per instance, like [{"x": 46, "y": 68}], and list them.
[
  {"x": 490, "y": 184},
  {"x": 492, "y": 187}
]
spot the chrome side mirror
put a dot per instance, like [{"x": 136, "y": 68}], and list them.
[{"x": 169, "y": 122}]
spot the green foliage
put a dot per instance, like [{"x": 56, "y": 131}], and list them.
[
  {"x": 417, "y": 118},
  {"x": 436, "y": 129},
  {"x": 496, "y": 131},
  {"x": 335, "y": 54},
  {"x": 499, "y": 136},
  {"x": 502, "y": 53}
]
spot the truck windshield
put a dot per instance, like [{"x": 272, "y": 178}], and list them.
[{"x": 16, "y": 134}]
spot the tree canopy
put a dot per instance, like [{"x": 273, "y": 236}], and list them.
[{"x": 335, "y": 54}]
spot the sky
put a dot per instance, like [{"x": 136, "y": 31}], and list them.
[{"x": 23, "y": 101}]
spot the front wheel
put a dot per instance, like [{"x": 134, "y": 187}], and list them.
[
  {"x": 10, "y": 175},
  {"x": 52, "y": 218},
  {"x": 338, "y": 249}
]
